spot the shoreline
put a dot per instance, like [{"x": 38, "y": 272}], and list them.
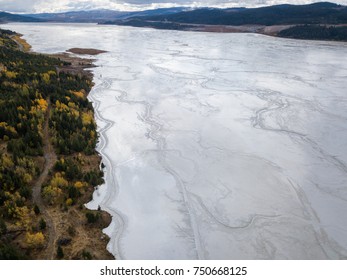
[
  {"x": 267, "y": 30},
  {"x": 81, "y": 66},
  {"x": 103, "y": 199}
]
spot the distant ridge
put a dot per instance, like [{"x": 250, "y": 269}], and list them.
[
  {"x": 78, "y": 16},
  {"x": 317, "y": 13},
  {"x": 8, "y": 17},
  {"x": 97, "y": 16}
]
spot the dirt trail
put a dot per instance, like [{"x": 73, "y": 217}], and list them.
[
  {"x": 20, "y": 46},
  {"x": 50, "y": 159}
]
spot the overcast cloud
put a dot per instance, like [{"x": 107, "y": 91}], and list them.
[{"x": 38, "y": 6}]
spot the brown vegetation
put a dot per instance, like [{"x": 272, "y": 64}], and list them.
[{"x": 86, "y": 51}]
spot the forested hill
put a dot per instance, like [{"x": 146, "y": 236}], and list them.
[
  {"x": 317, "y": 13},
  {"x": 7, "y": 17},
  {"x": 102, "y": 15},
  {"x": 48, "y": 163},
  {"x": 318, "y": 21},
  {"x": 315, "y": 32}
]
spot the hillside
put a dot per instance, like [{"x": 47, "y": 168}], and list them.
[
  {"x": 318, "y": 13},
  {"x": 315, "y": 32},
  {"x": 319, "y": 21},
  {"x": 7, "y": 17},
  {"x": 97, "y": 16},
  {"x": 78, "y": 16}
]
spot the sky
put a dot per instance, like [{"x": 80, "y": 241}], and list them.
[{"x": 39, "y": 6}]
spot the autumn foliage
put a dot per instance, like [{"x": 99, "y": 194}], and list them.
[{"x": 32, "y": 94}]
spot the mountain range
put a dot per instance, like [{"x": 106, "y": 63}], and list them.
[
  {"x": 317, "y": 13},
  {"x": 322, "y": 20},
  {"x": 7, "y": 17},
  {"x": 93, "y": 16}
]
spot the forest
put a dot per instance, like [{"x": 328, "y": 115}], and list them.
[
  {"x": 40, "y": 103},
  {"x": 315, "y": 32}
]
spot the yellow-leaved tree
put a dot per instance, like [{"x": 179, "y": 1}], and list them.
[{"x": 35, "y": 240}]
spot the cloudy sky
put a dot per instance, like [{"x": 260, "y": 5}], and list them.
[{"x": 37, "y": 6}]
